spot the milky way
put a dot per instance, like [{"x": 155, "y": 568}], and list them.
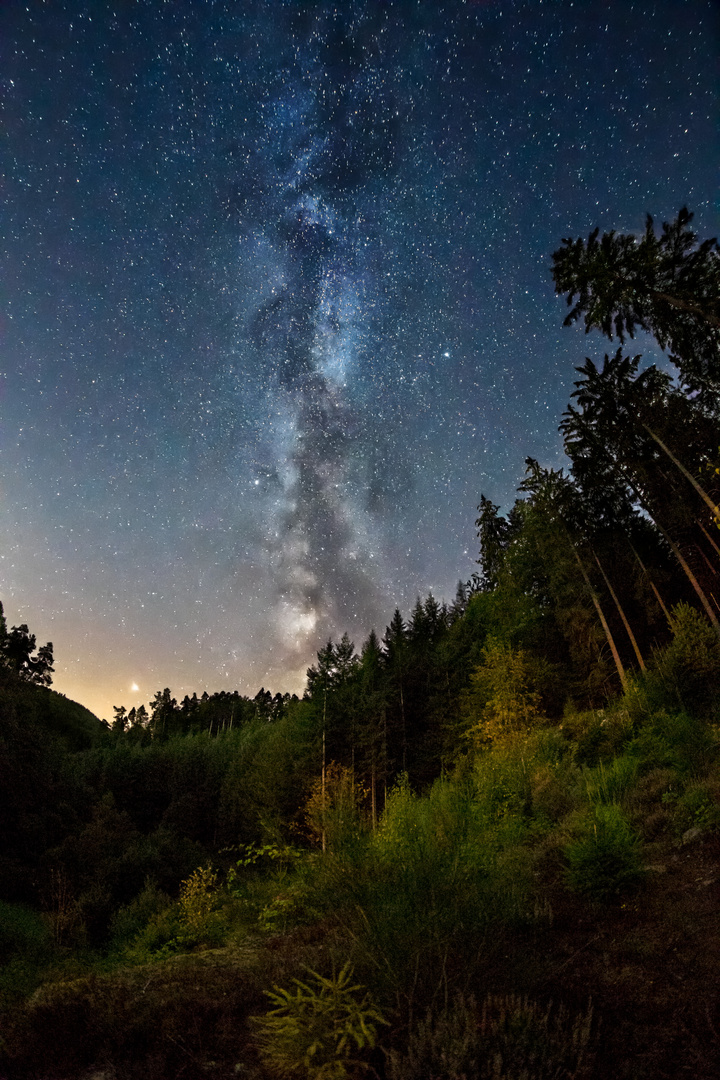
[{"x": 277, "y": 308}]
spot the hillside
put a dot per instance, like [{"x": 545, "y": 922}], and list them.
[{"x": 483, "y": 846}]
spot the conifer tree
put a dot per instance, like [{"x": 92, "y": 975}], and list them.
[{"x": 667, "y": 285}]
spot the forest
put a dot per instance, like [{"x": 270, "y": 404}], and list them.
[{"x": 483, "y": 845}]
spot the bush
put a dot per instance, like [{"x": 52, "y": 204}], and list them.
[
  {"x": 678, "y": 741},
  {"x": 698, "y": 807},
  {"x": 318, "y": 1030},
  {"x": 509, "y": 1038},
  {"x": 604, "y": 860},
  {"x": 193, "y": 920},
  {"x": 687, "y": 671},
  {"x": 129, "y": 921},
  {"x": 598, "y": 735},
  {"x": 26, "y": 947},
  {"x": 418, "y": 896},
  {"x": 23, "y": 932}
]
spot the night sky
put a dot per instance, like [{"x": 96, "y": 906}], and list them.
[{"x": 276, "y": 303}]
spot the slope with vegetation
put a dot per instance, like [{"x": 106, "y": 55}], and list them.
[{"x": 485, "y": 846}]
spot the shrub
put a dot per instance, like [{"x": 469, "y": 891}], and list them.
[
  {"x": 501, "y": 697},
  {"x": 418, "y": 896},
  {"x": 132, "y": 918},
  {"x": 697, "y": 807},
  {"x": 687, "y": 671},
  {"x": 598, "y": 735},
  {"x": 508, "y": 1038},
  {"x": 198, "y": 897},
  {"x": 604, "y": 860},
  {"x": 22, "y": 933},
  {"x": 678, "y": 741},
  {"x": 318, "y": 1030},
  {"x": 26, "y": 947},
  {"x": 335, "y": 811},
  {"x": 193, "y": 920}
]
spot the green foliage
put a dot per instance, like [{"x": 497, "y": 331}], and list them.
[
  {"x": 198, "y": 898},
  {"x": 697, "y": 807},
  {"x": 689, "y": 667},
  {"x": 508, "y": 1038},
  {"x": 195, "y": 919},
  {"x": 268, "y": 884},
  {"x": 335, "y": 811},
  {"x": 501, "y": 698},
  {"x": 502, "y": 781},
  {"x": 130, "y": 920},
  {"x": 604, "y": 860},
  {"x": 666, "y": 284},
  {"x": 26, "y": 947},
  {"x": 676, "y": 740},
  {"x": 610, "y": 784},
  {"x": 22, "y": 931},
  {"x": 418, "y": 896},
  {"x": 17, "y": 654},
  {"x": 597, "y": 735},
  {"x": 319, "y": 1028}
]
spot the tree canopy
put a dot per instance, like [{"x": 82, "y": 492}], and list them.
[{"x": 667, "y": 285}]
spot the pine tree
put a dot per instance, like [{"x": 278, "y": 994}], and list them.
[{"x": 667, "y": 285}]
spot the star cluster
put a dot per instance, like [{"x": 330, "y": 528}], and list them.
[{"x": 276, "y": 302}]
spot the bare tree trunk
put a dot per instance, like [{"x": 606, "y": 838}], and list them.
[
  {"x": 622, "y": 615},
  {"x": 688, "y": 476},
  {"x": 708, "y": 537},
  {"x": 373, "y": 804},
  {"x": 404, "y": 733},
  {"x": 671, "y": 544},
  {"x": 322, "y": 781},
  {"x": 692, "y": 579},
  {"x": 603, "y": 620},
  {"x": 658, "y": 597}
]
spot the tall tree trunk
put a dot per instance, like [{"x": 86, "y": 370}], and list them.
[
  {"x": 622, "y": 615},
  {"x": 692, "y": 579},
  {"x": 373, "y": 803},
  {"x": 688, "y": 476},
  {"x": 708, "y": 537},
  {"x": 603, "y": 620},
  {"x": 404, "y": 730},
  {"x": 322, "y": 781},
  {"x": 671, "y": 544},
  {"x": 703, "y": 556},
  {"x": 658, "y": 597}
]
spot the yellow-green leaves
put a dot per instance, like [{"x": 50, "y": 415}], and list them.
[{"x": 317, "y": 1028}]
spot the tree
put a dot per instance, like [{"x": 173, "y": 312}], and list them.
[
  {"x": 163, "y": 710},
  {"x": 495, "y": 534},
  {"x": 667, "y": 285},
  {"x": 620, "y": 431},
  {"x": 17, "y": 647},
  {"x": 121, "y": 718},
  {"x": 501, "y": 697},
  {"x": 373, "y": 724},
  {"x": 554, "y": 495},
  {"x": 395, "y": 644}
]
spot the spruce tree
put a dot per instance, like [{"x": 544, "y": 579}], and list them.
[{"x": 667, "y": 285}]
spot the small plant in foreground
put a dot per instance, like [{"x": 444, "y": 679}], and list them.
[
  {"x": 318, "y": 1030},
  {"x": 605, "y": 859},
  {"x": 507, "y": 1038},
  {"x": 198, "y": 896}
]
